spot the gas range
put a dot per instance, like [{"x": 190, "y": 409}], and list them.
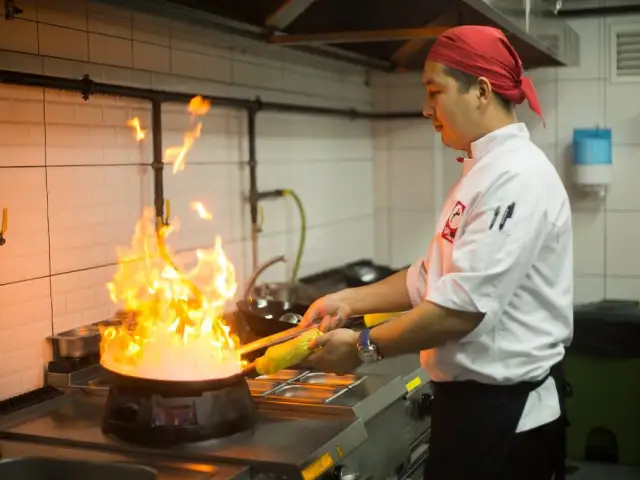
[{"x": 310, "y": 424}]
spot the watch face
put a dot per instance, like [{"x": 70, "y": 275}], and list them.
[{"x": 369, "y": 354}]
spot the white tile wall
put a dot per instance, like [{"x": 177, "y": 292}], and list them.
[
  {"x": 408, "y": 172},
  {"x": 607, "y": 234},
  {"x": 75, "y": 180}
]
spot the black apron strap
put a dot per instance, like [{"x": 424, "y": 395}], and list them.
[{"x": 472, "y": 428}]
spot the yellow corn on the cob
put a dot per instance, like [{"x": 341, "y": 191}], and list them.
[{"x": 286, "y": 354}]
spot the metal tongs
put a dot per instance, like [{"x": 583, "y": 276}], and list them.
[
  {"x": 285, "y": 335},
  {"x": 280, "y": 337}
]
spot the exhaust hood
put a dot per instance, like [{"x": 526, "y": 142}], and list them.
[{"x": 384, "y": 35}]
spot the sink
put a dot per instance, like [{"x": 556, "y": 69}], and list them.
[{"x": 37, "y": 468}]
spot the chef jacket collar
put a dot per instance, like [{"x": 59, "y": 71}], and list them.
[{"x": 485, "y": 145}]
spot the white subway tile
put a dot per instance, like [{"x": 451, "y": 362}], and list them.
[
  {"x": 622, "y": 114},
  {"x": 411, "y": 179},
  {"x": 156, "y": 32},
  {"x": 25, "y": 322},
  {"x": 210, "y": 184},
  {"x": 63, "y": 42},
  {"x": 588, "y": 288},
  {"x": 217, "y": 67},
  {"x": 189, "y": 64},
  {"x": 192, "y": 64},
  {"x": 21, "y": 144},
  {"x": 92, "y": 210},
  {"x": 20, "y": 62},
  {"x": 19, "y": 35},
  {"x": 416, "y": 133},
  {"x": 25, "y": 254},
  {"x": 544, "y": 135},
  {"x": 245, "y": 73},
  {"x": 623, "y": 236},
  {"x": 582, "y": 106},
  {"x": 330, "y": 191},
  {"x": 110, "y": 50},
  {"x": 411, "y": 234},
  {"x": 589, "y": 242},
  {"x": 58, "y": 67},
  {"x": 147, "y": 56},
  {"x": 64, "y": 13},
  {"x": 408, "y": 98},
  {"x": 382, "y": 237},
  {"x": 382, "y": 179},
  {"x": 81, "y": 298},
  {"x": 623, "y": 288},
  {"x": 623, "y": 191},
  {"x": 109, "y": 20},
  {"x": 542, "y": 75}
]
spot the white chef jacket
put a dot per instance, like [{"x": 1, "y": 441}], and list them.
[{"x": 503, "y": 247}]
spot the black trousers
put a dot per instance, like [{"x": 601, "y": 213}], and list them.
[
  {"x": 533, "y": 454},
  {"x": 473, "y": 435}
]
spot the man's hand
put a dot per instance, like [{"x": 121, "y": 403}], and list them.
[
  {"x": 338, "y": 352},
  {"x": 331, "y": 310}
]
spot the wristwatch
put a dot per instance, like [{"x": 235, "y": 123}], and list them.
[{"x": 367, "y": 350}]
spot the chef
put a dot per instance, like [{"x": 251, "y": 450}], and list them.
[{"x": 489, "y": 307}]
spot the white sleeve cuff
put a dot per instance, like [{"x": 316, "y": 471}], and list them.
[
  {"x": 452, "y": 293},
  {"x": 416, "y": 282}
]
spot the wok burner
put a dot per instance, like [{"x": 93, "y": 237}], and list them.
[{"x": 163, "y": 413}]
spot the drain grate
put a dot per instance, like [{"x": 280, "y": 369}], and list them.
[{"x": 26, "y": 400}]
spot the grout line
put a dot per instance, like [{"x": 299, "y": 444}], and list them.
[
  {"x": 183, "y": 250},
  {"x": 46, "y": 186},
  {"x": 605, "y": 235},
  {"x": 80, "y": 165}
]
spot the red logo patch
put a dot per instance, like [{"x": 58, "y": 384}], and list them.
[{"x": 453, "y": 222}]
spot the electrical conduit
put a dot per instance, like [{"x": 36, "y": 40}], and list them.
[{"x": 303, "y": 233}]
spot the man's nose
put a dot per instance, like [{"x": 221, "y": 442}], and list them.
[{"x": 427, "y": 110}]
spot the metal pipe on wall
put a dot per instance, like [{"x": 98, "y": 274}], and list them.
[
  {"x": 157, "y": 164},
  {"x": 253, "y": 186},
  {"x": 88, "y": 87}
]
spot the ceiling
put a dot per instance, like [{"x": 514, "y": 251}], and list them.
[{"x": 382, "y": 34}]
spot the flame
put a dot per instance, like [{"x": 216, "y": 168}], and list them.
[
  {"x": 202, "y": 211},
  {"x": 198, "y": 106},
  {"x": 138, "y": 132},
  {"x": 180, "y": 333},
  {"x": 178, "y": 155}
]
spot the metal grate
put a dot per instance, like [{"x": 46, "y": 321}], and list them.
[{"x": 627, "y": 52}]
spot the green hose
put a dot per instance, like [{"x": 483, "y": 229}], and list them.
[{"x": 303, "y": 233}]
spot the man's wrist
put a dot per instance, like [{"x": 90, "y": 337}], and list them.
[{"x": 345, "y": 298}]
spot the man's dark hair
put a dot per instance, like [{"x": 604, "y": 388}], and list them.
[{"x": 466, "y": 81}]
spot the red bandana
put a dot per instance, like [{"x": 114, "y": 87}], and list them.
[{"x": 486, "y": 52}]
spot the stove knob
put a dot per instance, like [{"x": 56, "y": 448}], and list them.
[
  {"x": 421, "y": 406},
  {"x": 344, "y": 473}
]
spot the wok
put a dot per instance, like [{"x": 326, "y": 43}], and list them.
[
  {"x": 158, "y": 412},
  {"x": 262, "y": 317}
]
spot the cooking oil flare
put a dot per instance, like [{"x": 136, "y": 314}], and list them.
[
  {"x": 202, "y": 210},
  {"x": 177, "y": 155},
  {"x": 139, "y": 133},
  {"x": 180, "y": 333}
]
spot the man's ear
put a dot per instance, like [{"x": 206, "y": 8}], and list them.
[{"x": 484, "y": 89}]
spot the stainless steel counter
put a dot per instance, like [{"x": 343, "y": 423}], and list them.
[
  {"x": 288, "y": 438},
  {"x": 166, "y": 469}
]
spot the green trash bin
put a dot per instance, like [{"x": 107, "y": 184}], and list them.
[{"x": 602, "y": 367}]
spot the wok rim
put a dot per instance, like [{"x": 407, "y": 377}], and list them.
[{"x": 159, "y": 385}]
